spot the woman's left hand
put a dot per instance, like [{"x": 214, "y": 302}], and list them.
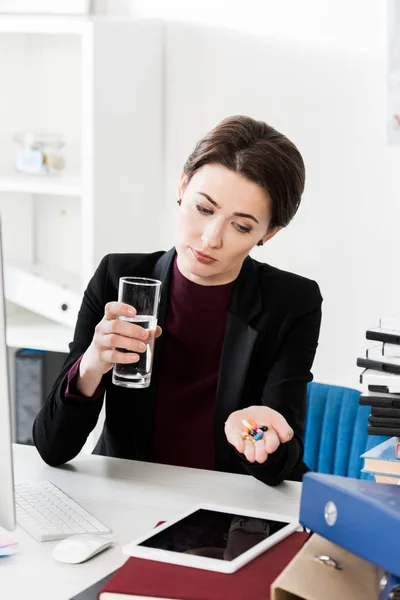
[{"x": 279, "y": 432}]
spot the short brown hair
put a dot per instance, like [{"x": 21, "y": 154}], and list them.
[{"x": 259, "y": 153}]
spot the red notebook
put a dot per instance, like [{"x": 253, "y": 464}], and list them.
[{"x": 143, "y": 578}]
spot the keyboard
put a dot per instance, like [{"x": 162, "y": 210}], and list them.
[{"x": 47, "y": 513}]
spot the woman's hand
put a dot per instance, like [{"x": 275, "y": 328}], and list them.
[
  {"x": 111, "y": 335},
  {"x": 279, "y": 432}
]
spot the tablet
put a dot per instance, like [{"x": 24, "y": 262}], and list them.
[{"x": 213, "y": 537}]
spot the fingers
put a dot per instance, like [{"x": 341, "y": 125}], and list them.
[
  {"x": 235, "y": 439},
  {"x": 114, "y": 340},
  {"x": 114, "y": 324},
  {"x": 280, "y": 425},
  {"x": 113, "y": 310},
  {"x": 123, "y": 328},
  {"x": 259, "y": 451},
  {"x": 255, "y": 452},
  {"x": 112, "y": 355},
  {"x": 271, "y": 441}
]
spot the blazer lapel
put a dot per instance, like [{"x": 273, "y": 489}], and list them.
[{"x": 239, "y": 340}]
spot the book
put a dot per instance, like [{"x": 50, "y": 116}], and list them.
[
  {"x": 379, "y": 399},
  {"x": 391, "y": 350},
  {"x": 384, "y": 421},
  {"x": 380, "y": 334},
  {"x": 393, "y": 430},
  {"x": 392, "y": 322},
  {"x": 376, "y": 353},
  {"x": 378, "y": 365},
  {"x": 361, "y": 516},
  {"x": 388, "y": 479},
  {"x": 383, "y": 477},
  {"x": 91, "y": 592},
  {"x": 144, "y": 578},
  {"x": 384, "y": 458},
  {"x": 377, "y": 411},
  {"x": 385, "y": 381}
]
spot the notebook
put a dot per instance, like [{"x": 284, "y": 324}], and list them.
[
  {"x": 92, "y": 591},
  {"x": 141, "y": 578},
  {"x": 381, "y": 478},
  {"x": 376, "y": 353},
  {"x": 380, "y": 399},
  {"x": 385, "y": 382},
  {"x": 382, "y": 458},
  {"x": 377, "y": 411},
  {"x": 381, "y": 334}
]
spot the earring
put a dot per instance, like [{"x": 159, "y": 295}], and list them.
[
  {"x": 260, "y": 243},
  {"x": 179, "y": 201}
]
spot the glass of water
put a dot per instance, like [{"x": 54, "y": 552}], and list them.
[{"x": 144, "y": 295}]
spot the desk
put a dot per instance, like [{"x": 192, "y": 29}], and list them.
[{"x": 130, "y": 497}]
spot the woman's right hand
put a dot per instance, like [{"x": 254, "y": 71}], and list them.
[{"x": 111, "y": 334}]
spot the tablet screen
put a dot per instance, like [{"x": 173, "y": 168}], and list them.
[{"x": 214, "y": 534}]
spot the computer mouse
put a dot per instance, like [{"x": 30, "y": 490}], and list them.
[{"x": 80, "y": 547}]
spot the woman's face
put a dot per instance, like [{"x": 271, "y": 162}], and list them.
[{"x": 221, "y": 218}]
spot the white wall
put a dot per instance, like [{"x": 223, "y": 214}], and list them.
[{"x": 315, "y": 70}]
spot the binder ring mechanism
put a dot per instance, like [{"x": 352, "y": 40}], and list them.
[{"x": 328, "y": 562}]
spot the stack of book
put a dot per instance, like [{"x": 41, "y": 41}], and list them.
[
  {"x": 383, "y": 461},
  {"x": 381, "y": 375}
]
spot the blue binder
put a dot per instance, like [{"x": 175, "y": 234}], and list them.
[{"x": 361, "y": 516}]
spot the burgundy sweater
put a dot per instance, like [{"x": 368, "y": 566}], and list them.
[{"x": 192, "y": 345}]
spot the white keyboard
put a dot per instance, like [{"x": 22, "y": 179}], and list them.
[{"x": 47, "y": 513}]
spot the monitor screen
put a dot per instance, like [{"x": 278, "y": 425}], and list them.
[{"x": 7, "y": 505}]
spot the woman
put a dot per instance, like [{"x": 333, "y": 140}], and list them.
[{"x": 237, "y": 337}]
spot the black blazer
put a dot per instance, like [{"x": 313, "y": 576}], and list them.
[{"x": 270, "y": 341}]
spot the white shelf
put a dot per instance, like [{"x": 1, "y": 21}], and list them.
[
  {"x": 29, "y": 330},
  {"x": 44, "y": 24},
  {"x": 30, "y": 184},
  {"x": 110, "y": 113}
]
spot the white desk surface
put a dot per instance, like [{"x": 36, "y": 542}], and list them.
[{"x": 130, "y": 497}]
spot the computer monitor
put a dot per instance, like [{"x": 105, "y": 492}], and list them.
[{"x": 7, "y": 503}]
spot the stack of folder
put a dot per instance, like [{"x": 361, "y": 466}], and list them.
[
  {"x": 381, "y": 375},
  {"x": 357, "y": 518}
]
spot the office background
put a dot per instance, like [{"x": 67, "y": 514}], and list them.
[{"x": 317, "y": 71}]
